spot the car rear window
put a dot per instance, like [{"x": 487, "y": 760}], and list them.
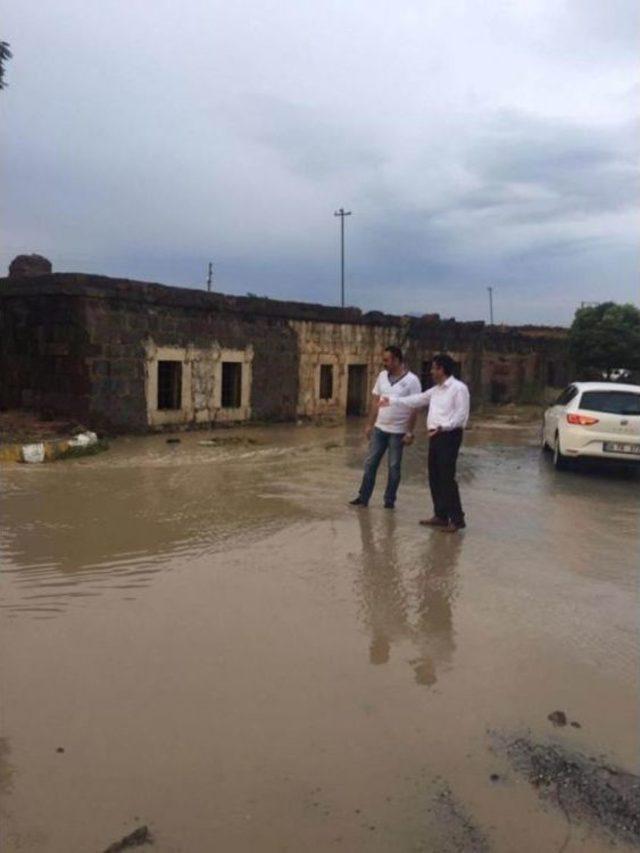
[{"x": 614, "y": 402}]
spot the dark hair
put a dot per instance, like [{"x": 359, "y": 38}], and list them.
[
  {"x": 396, "y": 352},
  {"x": 445, "y": 362}
]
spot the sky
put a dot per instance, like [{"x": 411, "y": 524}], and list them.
[{"x": 476, "y": 145}]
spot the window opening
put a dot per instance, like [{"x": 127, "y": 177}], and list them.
[
  {"x": 326, "y": 381},
  {"x": 169, "y": 384},
  {"x": 231, "y": 385},
  {"x": 357, "y": 389}
]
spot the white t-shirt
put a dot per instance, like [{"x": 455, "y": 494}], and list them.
[{"x": 394, "y": 418}]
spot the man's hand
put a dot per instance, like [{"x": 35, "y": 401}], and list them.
[
  {"x": 407, "y": 438},
  {"x": 367, "y": 431},
  {"x": 435, "y": 431},
  {"x": 384, "y": 402}
]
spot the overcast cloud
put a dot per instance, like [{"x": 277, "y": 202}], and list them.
[{"x": 476, "y": 144}]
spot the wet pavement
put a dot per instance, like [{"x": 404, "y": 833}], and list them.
[{"x": 206, "y": 640}]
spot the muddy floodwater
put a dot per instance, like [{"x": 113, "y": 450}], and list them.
[{"x": 204, "y": 639}]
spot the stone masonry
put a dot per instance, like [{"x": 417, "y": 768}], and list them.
[{"x": 129, "y": 356}]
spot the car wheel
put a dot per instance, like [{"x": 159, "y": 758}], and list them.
[{"x": 560, "y": 461}]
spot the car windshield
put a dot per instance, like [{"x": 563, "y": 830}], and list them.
[{"x": 614, "y": 402}]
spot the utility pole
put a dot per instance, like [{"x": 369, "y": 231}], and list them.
[
  {"x": 342, "y": 213},
  {"x": 209, "y": 277},
  {"x": 490, "y": 289}
]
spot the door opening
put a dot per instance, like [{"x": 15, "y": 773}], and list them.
[{"x": 357, "y": 390}]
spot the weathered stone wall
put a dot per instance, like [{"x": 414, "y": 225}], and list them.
[
  {"x": 500, "y": 364},
  {"x": 518, "y": 366},
  {"x": 137, "y": 331},
  {"x": 43, "y": 344},
  {"x": 88, "y": 347},
  {"x": 28, "y": 266},
  {"x": 116, "y": 329},
  {"x": 462, "y": 341},
  {"x": 339, "y": 345}
]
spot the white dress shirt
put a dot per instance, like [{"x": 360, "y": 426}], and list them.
[{"x": 448, "y": 404}]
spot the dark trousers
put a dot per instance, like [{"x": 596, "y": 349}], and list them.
[
  {"x": 443, "y": 454},
  {"x": 380, "y": 443}
]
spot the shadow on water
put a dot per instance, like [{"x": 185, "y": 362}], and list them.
[{"x": 406, "y": 595}]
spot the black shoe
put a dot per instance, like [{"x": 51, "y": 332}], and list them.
[
  {"x": 452, "y": 527},
  {"x": 357, "y": 502},
  {"x": 388, "y": 505}
]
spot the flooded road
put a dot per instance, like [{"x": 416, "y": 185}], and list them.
[{"x": 205, "y": 639}]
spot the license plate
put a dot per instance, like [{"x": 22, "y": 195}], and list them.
[{"x": 619, "y": 447}]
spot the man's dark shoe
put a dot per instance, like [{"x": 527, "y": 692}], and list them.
[
  {"x": 388, "y": 505},
  {"x": 434, "y": 521},
  {"x": 453, "y": 528},
  {"x": 357, "y": 502}
]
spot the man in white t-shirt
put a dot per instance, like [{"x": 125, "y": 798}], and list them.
[{"x": 389, "y": 428}]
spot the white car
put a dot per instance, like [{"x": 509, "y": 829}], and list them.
[{"x": 598, "y": 420}]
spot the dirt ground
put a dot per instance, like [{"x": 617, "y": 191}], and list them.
[
  {"x": 24, "y": 427},
  {"x": 204, "y": 648}
]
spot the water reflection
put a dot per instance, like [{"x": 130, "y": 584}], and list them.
[
  {"x": 6, "y": 768},
  {"x": 406, "y": 594},
  {"x": 384, "y": 598},
  {"x": 435, "y": 586}
]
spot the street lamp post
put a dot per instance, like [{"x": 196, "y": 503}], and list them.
[{"x": 342, "y": 213}]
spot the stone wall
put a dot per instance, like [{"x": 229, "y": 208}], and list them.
[
  {"x": 339, "y": 346},
  {"x": 131, "y": 335},
  {"x": 94, "y": 349},
  {"x": 43, "y": 348},
  {"x": 115, "y": 329}
]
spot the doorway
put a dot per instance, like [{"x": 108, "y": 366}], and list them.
[{"x": 357, "y": 390}]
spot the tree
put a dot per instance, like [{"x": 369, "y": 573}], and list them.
[
  {"x": 5, "y": 54},
  {"x": 606, "y": 337}
]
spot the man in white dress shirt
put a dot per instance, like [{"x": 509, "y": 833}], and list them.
[
  {"x": 389, "y": 429},
  {"x": 447, "y": 416}
]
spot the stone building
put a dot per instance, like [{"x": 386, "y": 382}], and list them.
[{"x": 131, "y": 356}]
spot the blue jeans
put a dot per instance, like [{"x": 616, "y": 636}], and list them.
[{"x": 381, "y": 442}]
